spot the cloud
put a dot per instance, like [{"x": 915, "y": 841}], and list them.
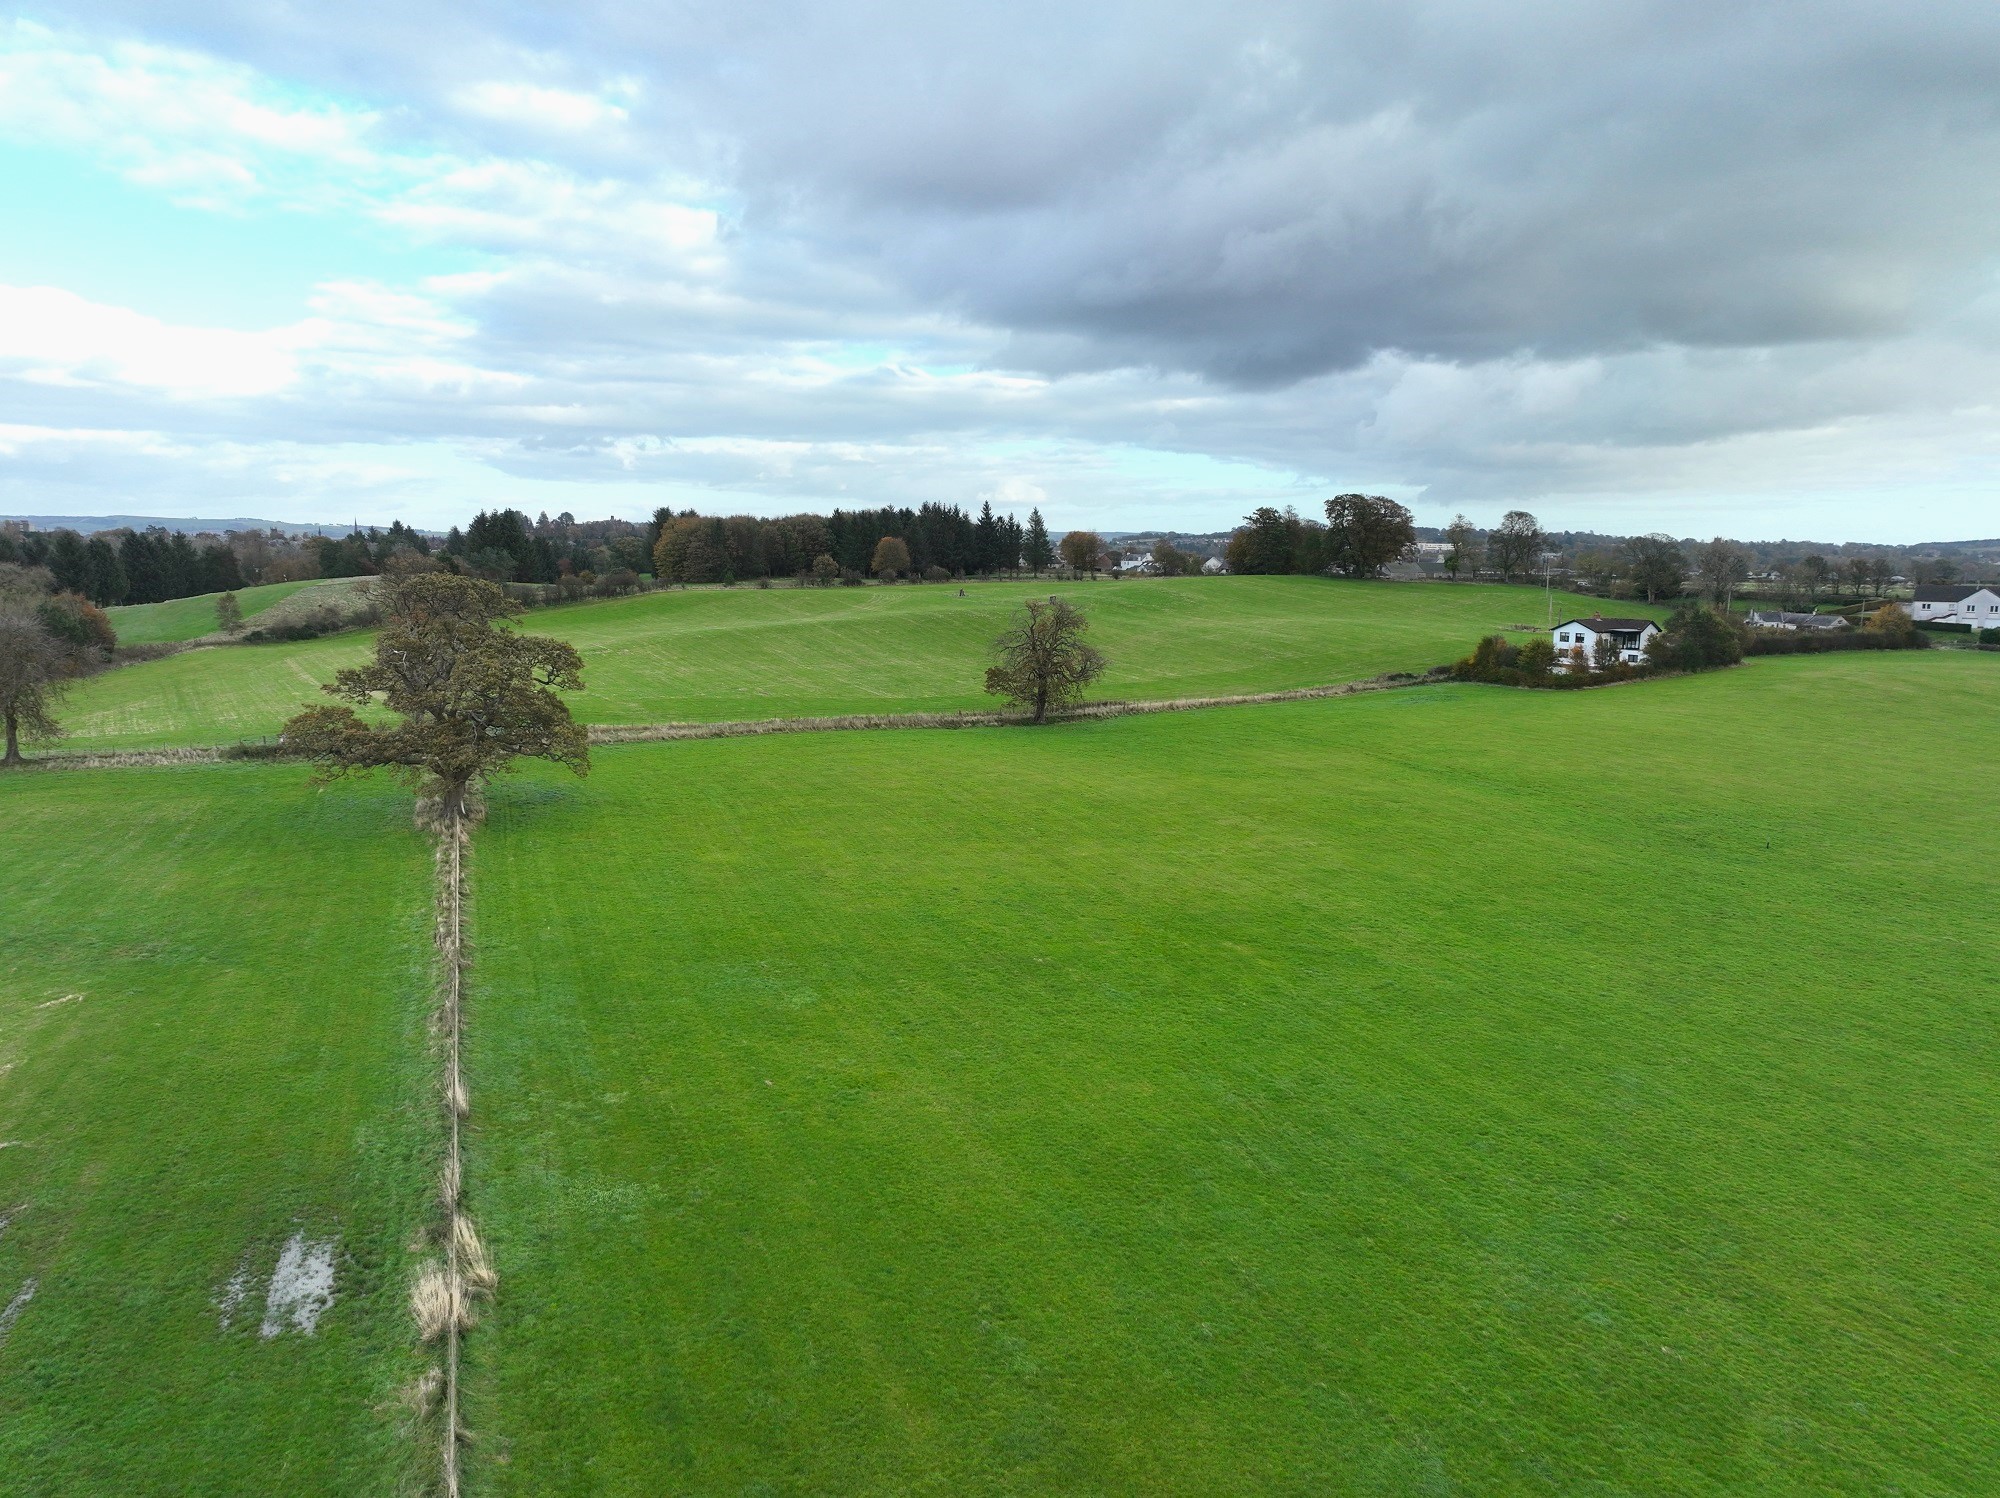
[{"x": 1617, "y": 262}]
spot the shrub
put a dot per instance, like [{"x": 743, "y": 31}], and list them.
[
  {"x": 936, "y": 574},
  {"x": 78, "y": 623},
  {"x": 1697, "y": 638}
]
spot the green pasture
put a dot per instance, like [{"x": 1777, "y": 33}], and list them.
[
  {"x": 244, "y": 1059},
  {"x": 190, "y": 618},
  {"x": 710, "y": 654},
  {"x": 1452, "y": 1091}
]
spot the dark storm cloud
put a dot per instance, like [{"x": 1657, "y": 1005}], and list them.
[{"x": 1261, "y": 193}]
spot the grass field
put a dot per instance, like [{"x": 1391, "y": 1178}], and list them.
[
  {"x": 190, "y": 618},
  {"x": 245, "y": 1062},
  {"x": 1449, "y": 1091},
  {"x": 709, "y": 654}
]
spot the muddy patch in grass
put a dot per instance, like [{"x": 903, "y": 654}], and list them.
[{"x": 301, "y": 1289}]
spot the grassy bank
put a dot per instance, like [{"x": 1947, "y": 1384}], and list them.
[
  {"x": 1455, "y": 1090},
  {"x": 190, "y": 618}
]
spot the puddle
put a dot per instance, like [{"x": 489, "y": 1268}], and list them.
[
  {"x": 301, "y": 1286},
  {"x": 14, "y": 1308}
]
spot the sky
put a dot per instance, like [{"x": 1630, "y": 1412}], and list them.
[{"x": 1691, "y": 266}]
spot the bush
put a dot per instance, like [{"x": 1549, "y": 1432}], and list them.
[
  {"x": 1888, "y": 628},
  {"x": 1783, "y": 642},
  {"x": 78, "y": 623},
  {"x": 1697, "y": 638},
  {"x": 849, "y": 578},
  {"x": 936, "y": 574},
  {"x": 327, "y": 619}
]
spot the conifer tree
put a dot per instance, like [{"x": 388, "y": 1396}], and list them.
[{"x": 1036, "y": 551}]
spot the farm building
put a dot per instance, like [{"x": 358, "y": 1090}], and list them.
[
  {"x": 1627, "y": 636},
  {"x": 1779, "y": 619},
  {"x": 1973, "y": 604}
]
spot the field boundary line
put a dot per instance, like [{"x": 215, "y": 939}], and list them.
[
  {"x": 441, "y": 1299},
  {"x": 636, "y": 733},
  {"x": 639, "y": 733}
]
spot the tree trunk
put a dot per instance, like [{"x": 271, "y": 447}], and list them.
[
  {"x": 451, "y": 800},
  {"x": 13, "y": 755}
]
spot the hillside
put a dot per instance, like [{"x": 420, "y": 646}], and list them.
[
  {"x": 713, "y": 654},
  {"x": 180, "y": 619}
]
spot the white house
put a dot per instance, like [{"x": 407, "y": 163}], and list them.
[
  {"x": 1629, "y": 636},
  {"x": 1975, "y": 605},
  {"x": 1778, "y": 619},
  {"x": 1212, "y": 566}
]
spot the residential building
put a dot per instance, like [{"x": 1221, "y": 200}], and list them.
[
  {"x": 1779, "y": 619},
  {"x": 1628, "y": 637},
  {"x": 1974, "y": 604}
]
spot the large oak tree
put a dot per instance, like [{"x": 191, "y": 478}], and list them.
[{"x": 469, "y": 695}]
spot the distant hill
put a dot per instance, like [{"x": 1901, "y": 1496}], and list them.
[{"x": 86, "y": 524}]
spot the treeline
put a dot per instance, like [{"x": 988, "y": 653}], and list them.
[
  {"x": 156, "y": 564},
  {"x": 116, "y": 567},
  {"x": 934, "y": 540},
  {"x": 1361, "y": 535}
]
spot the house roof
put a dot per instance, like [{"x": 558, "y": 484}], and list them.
[
  {"x": 1600, "y": 625},
  {"x": 1946, "y": 593}
]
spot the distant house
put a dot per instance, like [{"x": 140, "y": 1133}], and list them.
[
  {"x": 1778, "y": 619},
  {"x": 1628, "y": 637},
  {"x": 1212, "y": 566},
  {"x": 1976, "y": 605}
]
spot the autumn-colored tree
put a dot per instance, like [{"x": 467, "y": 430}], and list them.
[
  {"x": 471, "y": 697},
  {"x": 892, "y": 558},
  {"x": 1082, "y": 551},
  {"x": 1044, "y": 663}
]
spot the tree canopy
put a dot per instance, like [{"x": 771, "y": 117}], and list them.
[
  {"x": 471, "y": 697},
  {"x": 1083, "y": 551},
  {"x": 1044, "y": 663},
  {"x": 45, "y": 641},
  {"x": 1366, "y": 532},
  {"x": 1515, "y": 543}
]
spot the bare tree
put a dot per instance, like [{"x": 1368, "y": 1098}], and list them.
[
  {"x": 1517, "y": 542},
  {"x": 1464, "y": 555},
  {"x": 1722, "y": 567},
  {"x": 35, "y": 668},
  {"x": 1043, "y": 660}
]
